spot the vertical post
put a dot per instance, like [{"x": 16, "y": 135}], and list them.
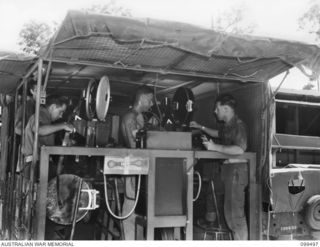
[
  {"x": 297, "y": 123},
  {"x": 11, "y": 195},
  {"x": 151, "y": 197},
  {"x": 189, "y": 226},
  {"x": 42, "y": 195},
  {"x": 4, "y": 140},
  {"x": 13, "y": 160},
  {"x": 37, "y": 110},
  {"x": 25, "y": 85},
  {"x": 254, "y": 210},
  {"x": 16, "y": 159},
  {"x": 35, "y": 146},
  {"x": 75, "y": 209}
]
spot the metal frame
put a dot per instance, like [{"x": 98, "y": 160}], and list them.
[
  {"x": 12, "y": 178},
  {"x": 154, "y": 70},
  {"x": 186, "y": 221},
  {"x": 153, "y": 221}
]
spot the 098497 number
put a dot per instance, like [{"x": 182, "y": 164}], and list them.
[{"x": 307, "y": 243}]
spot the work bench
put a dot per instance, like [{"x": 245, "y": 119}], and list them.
[{"x": 155, "y": 217}]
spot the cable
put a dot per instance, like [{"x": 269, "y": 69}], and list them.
[
  {"x": 107, "y": 202},
  {"x": 155, "y": 98},
  {"x": 199, "y": 187}
]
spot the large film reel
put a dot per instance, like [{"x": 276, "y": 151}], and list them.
[
  {"x": 97, "y": 98},
  {"x": 68, "y": 192},
  {"x": 183, "y": 104},
  {"x": 90, "y": 98}
]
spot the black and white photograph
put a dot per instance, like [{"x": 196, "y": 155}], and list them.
[{"x": 159, "y": 120}]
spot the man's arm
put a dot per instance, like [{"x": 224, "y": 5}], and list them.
[
  {"x": 209, "y": 131},
  {"x": 239, "y": 144},
  {"x": 52, "y": 128},
  {"x": 226, "y": 149}
]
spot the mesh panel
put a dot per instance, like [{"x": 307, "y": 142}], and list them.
[
  {"x": 106, "y": 50},
  {"x": 212, "y": 65}
]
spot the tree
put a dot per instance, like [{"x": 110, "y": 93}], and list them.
[
  {"x": 310, "y": 20},
  {"x": 233, "y": 21},
  {"x": 308, "y": 86},
  {"x": 33, "y": 35},
  {"x": 111, "y": 8}
]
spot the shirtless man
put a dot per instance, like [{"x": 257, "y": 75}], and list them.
[{"x": 131, "y": 122}]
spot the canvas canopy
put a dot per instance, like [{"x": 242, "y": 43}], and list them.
[
  {"x": 13, "y": 66},
  {"x": 175, "y": 48},
  {"x": 142, "y": 51}
]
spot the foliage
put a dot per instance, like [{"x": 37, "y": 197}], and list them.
[
  {"x": 233, "y": 21},
  {"x": 308, "y": 86},
  {"x": 33, "y": 35},
  {"x": 110, "y": 8},
  {"x": 310, "y": 20}
]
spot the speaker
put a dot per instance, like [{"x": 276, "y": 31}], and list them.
[{"x": 170, "y": 187}]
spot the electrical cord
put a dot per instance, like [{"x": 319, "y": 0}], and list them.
[
  {"x": 155, "y": 98},
  {"x": 199, "y": 187},
  {"x": 107, "y": 201}
]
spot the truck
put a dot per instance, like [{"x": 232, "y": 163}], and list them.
[{"x": 98, "y": 61}]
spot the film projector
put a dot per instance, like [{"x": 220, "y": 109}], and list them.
[
  {"x": 69, "y": 196},
  {"x": 176, "y": 115}
]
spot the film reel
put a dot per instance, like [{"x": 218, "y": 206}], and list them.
[
  {"x": 183, "y": 104},
  {"x": 97, "y": 98},
  {"x": 103, "y": 98},
  {"x": 68, "y": 188},
  {"x": 90, "y": 98}
]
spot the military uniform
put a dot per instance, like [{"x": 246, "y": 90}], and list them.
[
  {"x": 234, "y": 174},
  {"x": 47, "y": 140}
]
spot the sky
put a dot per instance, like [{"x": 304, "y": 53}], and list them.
[{"x": 272, "y": 18}]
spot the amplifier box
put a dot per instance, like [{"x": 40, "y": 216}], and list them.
[{"x": 169, "y": 140}]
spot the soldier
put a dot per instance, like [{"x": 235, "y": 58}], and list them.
[
  {"x": 54, "y": 109},
  {"x": 234, "y": 172}
]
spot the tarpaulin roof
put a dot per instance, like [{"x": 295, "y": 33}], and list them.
[
  {"x": 13, "y": 66},
  {"x": 173, "y": 47}
]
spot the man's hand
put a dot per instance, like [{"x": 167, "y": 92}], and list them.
[
  {"x": 195, "y": 125},
  {"x": 210, "y": 145},
  {"x": 134, "y": 133},
  {"x": 69, "y": 127}
]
